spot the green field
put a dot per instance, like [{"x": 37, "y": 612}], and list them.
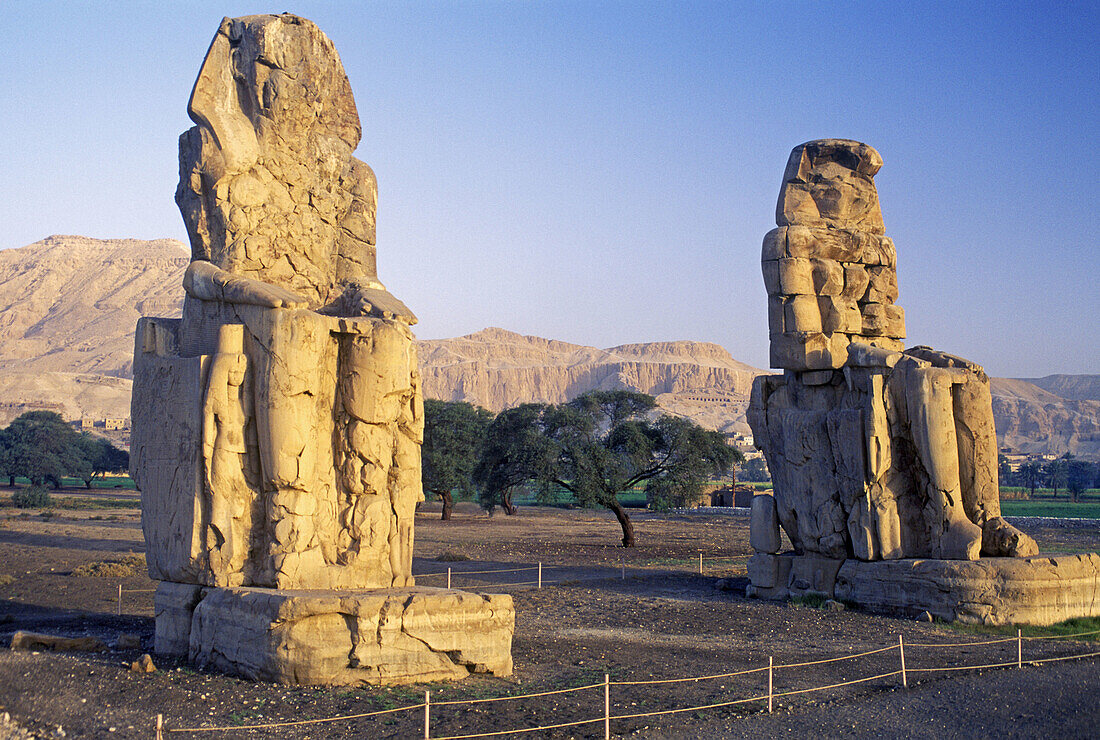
[
  {"x": 110, "y": 482},
  {"x": 1067, "y": 509}
]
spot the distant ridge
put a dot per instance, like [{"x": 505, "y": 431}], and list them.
[
  {"x": 497, "y": 369},
  {"x": 69, "y": 304}
]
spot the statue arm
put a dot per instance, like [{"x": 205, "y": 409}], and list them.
[{"x": 208, "y": 282}]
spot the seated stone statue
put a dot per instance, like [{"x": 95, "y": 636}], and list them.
[
  {"x": 875, "y": 452},
  {"x": 312, "y": 414}
]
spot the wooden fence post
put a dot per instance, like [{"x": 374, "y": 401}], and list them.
[
  {"x": 770, "y": 684},
  {"x": 1019, "y": 648},
  {"x": 606, "y": 706},
  {"x": 120, "y": 599},
  {"x": 160, "y": 727},
  {"x": 448, "y": 577},
  {"x": 427, "y": 704},
  {"x": 540, "y": 574},
  {"x": 901, "y": 652},
  {"x": 700, "y": 562}
]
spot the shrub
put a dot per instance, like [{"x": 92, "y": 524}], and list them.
[
  {"x": 35, "y": 497},
  {"x": 111, "y": 568},
  {"x": 452, "y": 556}
]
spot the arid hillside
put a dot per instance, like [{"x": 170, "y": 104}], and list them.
[
  {"x": 498, "y": 369},
  {"x": 69, "y": 304}
]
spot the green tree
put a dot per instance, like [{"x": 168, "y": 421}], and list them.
[
  {"x": 1079, "y": 476},
  {"x": 601, "y": 445},
  {"x": 454, "y": 434},
  {"x": 44, "y": 448},
  {"x": 1055, "y": 474},
  {"x": 1030, "y": 474},
  {"x": 102, "y": 457},
  {"x": 755, "y": 470},
  {"x": 515, "y": 452}
]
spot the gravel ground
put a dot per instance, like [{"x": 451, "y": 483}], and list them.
[{"x": 663, "y": 620}]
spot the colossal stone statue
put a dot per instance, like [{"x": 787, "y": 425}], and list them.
[
  {"x": 875, "y": 453},
  {"x": 277, "y": 426}
]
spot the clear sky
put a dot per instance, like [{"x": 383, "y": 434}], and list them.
[{"x": 603, "y": 172}]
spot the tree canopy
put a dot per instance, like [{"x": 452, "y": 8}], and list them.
[
  {"x": 454, "y": 433},
  {"x": 599, "y": 446},
  {"x": 43, "y": 447}
]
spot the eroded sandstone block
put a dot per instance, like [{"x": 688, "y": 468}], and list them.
[
  {"x": 991, "y": 591},
  {"x": 829, "y": 245},
  {"x": 378, "y": 637}
]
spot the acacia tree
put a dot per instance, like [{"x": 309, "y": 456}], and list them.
[
  {"x": 102, "y": 457},
  {"x": 43, "y": 448},
  {"x": 454, "y": 433},
  {"x": 601, "y": 445},
  {"x": 515, "y": 452}
]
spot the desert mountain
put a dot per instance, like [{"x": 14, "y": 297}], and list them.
[
  {"x": 497, "y": 369},
  {"x": 69, "y": 304}
]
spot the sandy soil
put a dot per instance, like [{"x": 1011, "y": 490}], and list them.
[{"x": 636, "y": 615}]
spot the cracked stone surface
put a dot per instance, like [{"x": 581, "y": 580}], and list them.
[
  {"x": 277, "y": 426},
  {"x": 876, "y": 453}
]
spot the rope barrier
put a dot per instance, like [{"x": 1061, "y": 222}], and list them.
[
  {"x": 834, "y": 660},
  {"x": 479, "y": 572},
  {"x": 683, "y": 680},
  {"x": 518, "y": 696},
  {"x": 960, "y": 644},
  {"x": 962, "y": 667},
  {"x": 295, "y": 723},
  {"x": 638, "y": 715},
  {"x": 1061, "y": 637},
  {"x": 526, "y": 729}
]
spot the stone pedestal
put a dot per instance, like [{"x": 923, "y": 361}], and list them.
[
  {"x": 994, "y": 591},
  {"x": 378, "y": 636}
]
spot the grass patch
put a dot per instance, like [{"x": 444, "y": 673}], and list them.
[
  {"x": 123, "y": 568},
  {"x": 1060, "y": 509},
  {"x": 85, "y": 504},
  {"x": 6, "y": 580},
  {"x": 1069, "y": 627},
  {"x": 810, "y": 601},
  {"x": 452, "y": 556},
  {"x": 34, "y": 497}
]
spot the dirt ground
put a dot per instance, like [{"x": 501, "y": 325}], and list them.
[{"x": 639, "y": 614}]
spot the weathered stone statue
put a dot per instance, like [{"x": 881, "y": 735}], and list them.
[
  {"x": 876, "y": 454},
  {"x": 277, "y": 426}
]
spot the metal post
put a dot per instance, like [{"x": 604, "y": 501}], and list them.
[
  {"x": 1019, "y": 648},
  {"x": 160, "y": 727},
  {"x": 901, "y": 652},
  {"x": 770, "y": 670},
  {"x": 606, "y": 707},
  {"x": 120, "y": 599},
  {"x": 624, "y": 572},
  {"x": 427, "y": 704},
  {"x": 540, "y": 574},
  {"x": 700, "y": 562},
  {"x": 448, "y": 577}
]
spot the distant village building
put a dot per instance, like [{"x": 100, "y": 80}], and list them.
[
  {"x": 87, "y": 423},
  {"x": 115, "y": 424}
]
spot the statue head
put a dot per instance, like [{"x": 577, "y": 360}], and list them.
[
  {"x": 269, "y": 188},
  {"x": 829, "y": 270}
]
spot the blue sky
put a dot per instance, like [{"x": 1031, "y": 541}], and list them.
[{"x": 603, "y": 172}]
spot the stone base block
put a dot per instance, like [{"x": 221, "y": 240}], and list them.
[
  {"x": 813, "y": 574},
  {"x": 378, "y": 637},
  {"x": 993, "y": 591}
]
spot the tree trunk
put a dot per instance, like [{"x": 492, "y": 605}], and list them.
[
  {"x": 448, "y": 504},
  {"x": 506, "y": 503},
  {"x": 624, "y": 522}
]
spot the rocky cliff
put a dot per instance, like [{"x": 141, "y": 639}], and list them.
[
  {"x": 497, "y": 369},
  {"x": 68, "y": 306}
]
